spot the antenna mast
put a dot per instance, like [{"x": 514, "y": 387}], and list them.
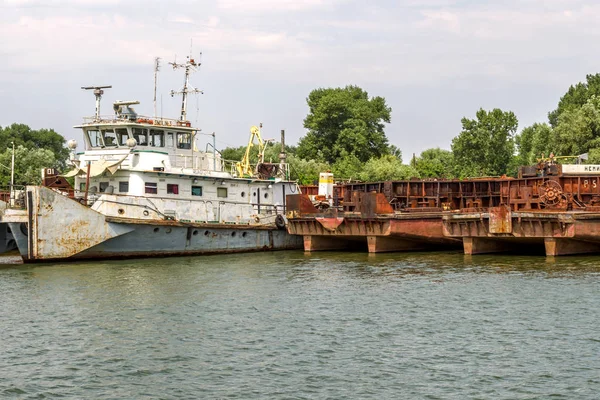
[
  {"x": 156, "y": 69},
  {"x": 98, "y": 92},
  {"x": 190, "y": 66}
]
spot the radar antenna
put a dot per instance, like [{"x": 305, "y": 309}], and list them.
[
  {"x": 98, "y": 92},
  {"x": 190, "y": 66}
]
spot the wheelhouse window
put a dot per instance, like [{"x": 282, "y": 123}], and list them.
[
  {"x": 94, "y": 137},
  {"x": 196, "y": 190},
  {"x": 123, "y": 187},
  {"x": 172, "y": 188},
  {"x": 170, "y": 140},
  {"x": 103, "y": 186},
  {"x": 109, "y": 137},
  {"x": 122, "y": 136},
  {"x": 157, "y": 138},
  {"x": 221, "y": 192},
  {"x": 151, "y": 188},
  {"x": 184, "y": 140},
  {"x": 141, "y": 136}
]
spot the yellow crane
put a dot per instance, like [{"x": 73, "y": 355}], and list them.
[{"x": 243, "y": 167}]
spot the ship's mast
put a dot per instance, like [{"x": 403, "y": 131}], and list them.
[
  {"x": 156, "y": 69},
  {"x": 189, "y": 66},
  {"x": 98, "y": 92}
]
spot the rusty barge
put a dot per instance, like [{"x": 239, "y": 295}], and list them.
[{"x": 550, "y": 209}]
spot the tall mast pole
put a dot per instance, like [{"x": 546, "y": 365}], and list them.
[
  {"x": 12, "y": 176},
  {"x": 190, "y": 66},
  {"x": 156, "y": 69}
]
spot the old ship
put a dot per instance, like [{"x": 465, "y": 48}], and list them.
[{"x": 142, "y": 188}]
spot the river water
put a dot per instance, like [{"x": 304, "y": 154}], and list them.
[{"x": 290, "y": 325}]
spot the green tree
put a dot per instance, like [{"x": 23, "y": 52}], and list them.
[
  {"x": 435, "y": 163},
  {"x": 485, "y": 146},
  {"x": 576, "y": 97},
  {"x": 272, "y": 150},
  {"x": 347, "y": 167},
  {"x": 344, "y": 121},
  {"x": 387, "y": 168},
  {"x": 534, "y": 142},
  {"x": 23, "y": 135},
  {"x": 28, "y": 165},
  {"x": 306, "y": 172},
  {"x": 578, "y": 129}
]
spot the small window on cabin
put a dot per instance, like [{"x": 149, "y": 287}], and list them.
[
  {"x": 82, "y": 186},
  {"x": 122, "y": 136},
  {"x": 123, "y": 187},
  {"x": 94, "y": 137},
  {"x": 170, "y": 140},
  {"x": 184, "y": 140},
  {"x": 141, "y": 136},
  {"x": 103, "y": 186},
  {"x": 221, "y": 192},
  {"x": 196, "y": 190},
  {"x": 172, "y": 188},
  {"x": 157, "y": 138},
  {"x": 109, "y": 137},
  {"x": 151, "y": 188}
]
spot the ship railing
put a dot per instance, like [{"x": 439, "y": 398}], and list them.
[
  {"x": 260, "y": 209},
  {"x": 142, "y": 119},
  {"x": 13, "y": 197},
  {"x": 195, "y": 162}
]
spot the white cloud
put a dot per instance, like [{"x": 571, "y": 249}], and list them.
[{"x": 271, "y": 5}]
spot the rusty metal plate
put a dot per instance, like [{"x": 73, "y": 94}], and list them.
[
  {"x": 330, "y": 224},
  {"x": 300, "y": 204},
  {"x": 374, "y": 203},
  {"x": 500, "y": 219}
]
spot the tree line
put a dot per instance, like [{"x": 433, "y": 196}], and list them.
[{"x": 346, "y": 135}]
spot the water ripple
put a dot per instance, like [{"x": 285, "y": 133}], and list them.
[{"x": 290, "y": 325}]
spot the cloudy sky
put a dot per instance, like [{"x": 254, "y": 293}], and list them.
[{"x": 434, "y": 61}]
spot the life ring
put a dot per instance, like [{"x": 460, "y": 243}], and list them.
[{"x": 280, "y": 221}]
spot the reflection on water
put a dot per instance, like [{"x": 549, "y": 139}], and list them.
[{"x": 298, "y": 325}]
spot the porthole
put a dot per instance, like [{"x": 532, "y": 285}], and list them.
[
  {"x": 206, "y": 233},
  {"x": 156, "y": 230},
  {"x": 195, "y": 232},
  {"x": 146, "y": 213},
  {"x": 243, "y": 194},
  {"x": 244, "y": 234},
  {"x": 169, "y": 230},
  {"x": 121, "y": 211},
  {"x": 254, "y": 194},
  {"x": 266, "y": 195},
  {"x": 233, "y": 234}
]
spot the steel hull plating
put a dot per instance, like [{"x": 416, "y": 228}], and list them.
[
  {"x": 55, "y": 227},
  {"x": 162, "y": 241}
]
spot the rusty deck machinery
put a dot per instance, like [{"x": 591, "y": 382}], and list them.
[{"x": 552, "y": 208}]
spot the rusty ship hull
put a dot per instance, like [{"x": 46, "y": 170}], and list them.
[{"x": 53, "y": 227}]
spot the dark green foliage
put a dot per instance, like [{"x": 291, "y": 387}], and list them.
[
  {"x": 435, "y": 163},
  {"x": 387, "y": 168},
  {"x": 344, "y": 121},
  {"x": 578, "y": 129},
  {"x": 48, "y": 139},
  {"x": 576, "y": 97},
  {"x": 485, "y": 146},
  {"x": 28, "y": 165},
  {"x": 533, "y": 143},
  {"x": 306, "y": 172}
]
